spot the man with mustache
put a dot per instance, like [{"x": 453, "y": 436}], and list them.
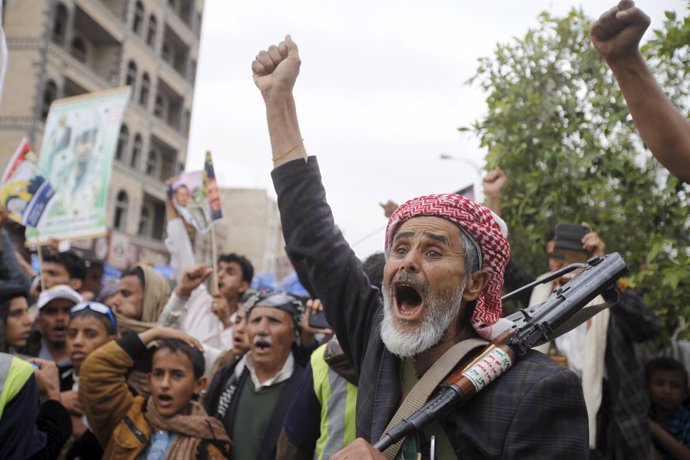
[
  {"x": 252, "y": 396},
  {"x": 445, "y": 257}
]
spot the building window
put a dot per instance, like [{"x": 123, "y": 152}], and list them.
[
  {"x": 136, "y": 151},
  {"x": 186, "y": 121},
  {"x": 138, "y": 17},
  {"x": 122, "y": 141},
  {"x": 131, "y": 79},
  {"x": 198, "y": 24},
  {"x": 165, "y": 53},
  {"x": 49, "y": 95},
  {"x": 144, "y": 91},
  {"x": 152, "y": 163},
  {"x": 158, "y": 107},
  {"x": 121, "y": 204},
  {"x": 192, "y": 71},
  {"x": 151, "y": 34},
  {"x": 145, "y": 221},
  {"x": 60, "y": 24},
  {"x": 78, "y": 49}
]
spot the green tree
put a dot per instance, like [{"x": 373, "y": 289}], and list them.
[{"x": 558, "y": 126}]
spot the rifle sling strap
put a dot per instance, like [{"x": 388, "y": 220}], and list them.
[{"x": 427, "y": 384}]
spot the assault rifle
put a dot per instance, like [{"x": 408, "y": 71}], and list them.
[{"x": 559, "y": 313}]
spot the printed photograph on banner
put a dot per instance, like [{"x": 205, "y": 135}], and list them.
[
  {"x": 24, "y": 190},
  {"x": 188, "y": 194},
  {"x": 79, "y": 143},
  {"x": 212, "y": 188}
]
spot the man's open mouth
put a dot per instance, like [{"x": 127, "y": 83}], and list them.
[
  {"x": 262, "y": 345},
  {"x": 165, "y": 400},
  {"x": 407, "y": 299}
]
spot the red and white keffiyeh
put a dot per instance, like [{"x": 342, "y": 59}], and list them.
[{"x": 488, "y": 231}]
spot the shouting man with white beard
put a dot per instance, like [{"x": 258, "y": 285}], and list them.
[{"x": 445, "y": 257}]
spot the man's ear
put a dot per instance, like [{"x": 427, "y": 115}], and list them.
[
  {"x": 475, "y": 285},
  {"x": 75, "y": 283},
  {"x": 200, "y": 385}
]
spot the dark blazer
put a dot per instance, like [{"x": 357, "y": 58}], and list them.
[
  {"x": 535, "y": 410},
  {"x": 285, "y": 400}
]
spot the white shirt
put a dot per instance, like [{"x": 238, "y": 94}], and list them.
[{"x": 282, "y": 375}]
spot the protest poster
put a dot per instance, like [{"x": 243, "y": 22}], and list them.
[
  {"x": 212, "y": 188},
  {"x": 24, "y": 190},
  {"x": 196, "y": 197},
  {"x": 79, "y": 143}
]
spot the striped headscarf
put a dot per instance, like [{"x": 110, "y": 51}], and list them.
[{"x": 482, "y": 226}]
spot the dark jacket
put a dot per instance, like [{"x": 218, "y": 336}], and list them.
[
  {"x": 285, "y": 400},
  {"x": 535, "y": 410}
]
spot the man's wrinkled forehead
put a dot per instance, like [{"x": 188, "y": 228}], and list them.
[{"x": 432, "y": 227}]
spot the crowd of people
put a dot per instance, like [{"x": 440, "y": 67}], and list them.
[{"x": 203, "y": 366}]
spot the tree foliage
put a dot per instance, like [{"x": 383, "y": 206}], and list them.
[{"x": 558, "y": 126}]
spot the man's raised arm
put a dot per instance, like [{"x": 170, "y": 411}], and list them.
[
  {"x": 616, "y": 34},
  {"x": 335, "y": 272},
  {"x": 275, "y": 71}
]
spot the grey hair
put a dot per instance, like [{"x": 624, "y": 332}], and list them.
[{"x": 472, "y": 253}]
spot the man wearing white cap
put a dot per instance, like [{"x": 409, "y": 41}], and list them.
[{"x": 53, "y": 317}]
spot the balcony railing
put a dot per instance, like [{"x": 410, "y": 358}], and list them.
[{"x": 94, "y": 81}]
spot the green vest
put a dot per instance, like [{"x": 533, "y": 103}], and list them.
[
  {"x": 14, "y": 373},
  {"x": 338, "y": 399}
]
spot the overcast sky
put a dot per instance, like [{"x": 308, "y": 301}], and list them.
[{"x": 380, "y": 94}]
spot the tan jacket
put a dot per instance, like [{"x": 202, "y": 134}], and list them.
[{"x": 115, "y": 416}]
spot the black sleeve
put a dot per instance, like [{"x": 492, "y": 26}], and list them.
[
  {"x": 335, "y": 272},
  {"x": 19, "y": 438},
  {"x": 637, "y": 322},
  {"x": 132, "y": 344},
  {"x": 9, "y": 260},
  {"x": 514, "y": 278},
  {"x": 303, "y": 422},
  {"x": 54, "y": 420}
]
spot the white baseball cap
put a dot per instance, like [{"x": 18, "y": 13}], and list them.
[{"x": 61, "y": 291}]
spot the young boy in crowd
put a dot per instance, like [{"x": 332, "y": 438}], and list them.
[
  {"x": 91, "y": 325},
  {"x": 666, "y": 382},
  {"x": 14, "y": 317},
  {"x": 169, "y": 423}
]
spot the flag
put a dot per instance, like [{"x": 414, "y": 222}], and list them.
[
  {"x": 24, "y": 190},
  {"x": 211, "y": 187}
]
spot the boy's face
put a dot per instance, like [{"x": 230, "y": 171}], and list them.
[
  {"x": 53, "y": 319},
  {"x": 53, "y": 274},
  {"x": 240, "y": 342},
  {"x": 173, "y": 382},
  {"x": 667, "y": 389},
  {"x": 84, "y": 335},
  {"x": 230, "y": 282},
  {"x": 18, "y": 323},
  {"x": 128, "y": 301}
]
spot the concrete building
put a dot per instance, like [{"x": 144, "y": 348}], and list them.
[
  {"x": 61, "y": 48},
  {"x": 250, "y": 227}
]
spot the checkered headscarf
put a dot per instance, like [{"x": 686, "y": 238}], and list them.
[{"x": 481, "y": 225}]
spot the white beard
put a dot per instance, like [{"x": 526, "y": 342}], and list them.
[{"x": 440, "y": 309}]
